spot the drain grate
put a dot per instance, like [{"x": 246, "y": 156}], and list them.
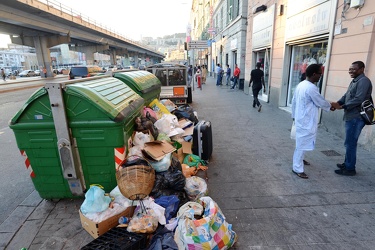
[{"x": 330, "y": 153}]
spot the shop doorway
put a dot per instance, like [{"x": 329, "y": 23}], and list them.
[
  {"x": 302, "y": 56},
  {"x": 263, "y": 56}
]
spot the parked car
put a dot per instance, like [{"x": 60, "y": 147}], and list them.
[
  {"x": 37, "y": 72},
  {"x": 85, "y": 71},
  {"x": 142, "y": 67},
  {"x": 61, "y": 70},
  {"x": 27, "y": 73},
  {"x": 129, "y": 67}
]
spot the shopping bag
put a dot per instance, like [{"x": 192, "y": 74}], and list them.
[{"x": 209, "y": 232}]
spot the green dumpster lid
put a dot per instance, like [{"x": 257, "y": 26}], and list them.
[
  {"x": 108, "y": 94},
  {"x": 143, "y": 81}
]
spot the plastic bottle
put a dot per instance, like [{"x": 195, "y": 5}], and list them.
[{"x": 123, "y": 220}]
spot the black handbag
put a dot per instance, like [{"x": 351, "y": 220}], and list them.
[{"x": 368, "y": 112}]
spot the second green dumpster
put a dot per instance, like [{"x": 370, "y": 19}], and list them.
[{"x": 144, "y": 83}]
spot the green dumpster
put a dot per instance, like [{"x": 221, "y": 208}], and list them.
[
  {"x": 76, "y": 133},
  {"x": 144, "y": 83}
]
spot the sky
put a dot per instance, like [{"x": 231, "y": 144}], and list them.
[{"x": 133, "y": 18}]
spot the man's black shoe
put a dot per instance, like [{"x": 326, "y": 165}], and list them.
[
  {"x": 341, "y": 165},
  {"x": 345, "y": 172}
]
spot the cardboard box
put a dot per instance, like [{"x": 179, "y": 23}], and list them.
[
  {"x": 158, "y": 149},
  {"x": 97, "y": 229}
]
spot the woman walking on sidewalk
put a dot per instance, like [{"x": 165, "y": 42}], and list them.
[{"x": 198, "y": 77}]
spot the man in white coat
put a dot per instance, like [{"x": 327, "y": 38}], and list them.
[{"x": 305, "y": 106}]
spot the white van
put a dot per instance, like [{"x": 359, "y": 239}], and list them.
[{"x": 174, "y": 82}]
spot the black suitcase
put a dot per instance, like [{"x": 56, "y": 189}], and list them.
[{"x": 202, "y": 140}]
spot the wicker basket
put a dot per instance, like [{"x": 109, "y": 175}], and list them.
[{"x": 135, "y": 182}]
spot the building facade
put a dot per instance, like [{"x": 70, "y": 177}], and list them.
[
  {"x": 223, "y": 25},
  {"x": 286, "y": 36}
]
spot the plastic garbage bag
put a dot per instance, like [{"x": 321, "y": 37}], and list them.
[
  {"x": 194, "y": 161},
  {"x": 211, "y": 231},
  {"x": 140, "y": 139},
  {"x": 95, "y": 200},
  {"x": 163, "y": 164},
  {"x": 196, "y": 187}
]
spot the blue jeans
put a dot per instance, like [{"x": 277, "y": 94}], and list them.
[
  {"x": 353, "y": 129},
  {"x": 228, "y": 79},
  {"x": 234, "y": 82},
  {"x": 219, "y": 79}
]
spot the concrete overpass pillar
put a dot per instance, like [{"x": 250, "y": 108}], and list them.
[
  {"x": 43, "y": 54},
  {"x": 125, "y": 61},
  {"x": 112, "y": 54},
  {"x": 136, "y": 63}
]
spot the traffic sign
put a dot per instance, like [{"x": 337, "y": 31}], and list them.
[{"x": 199, "y": 44}]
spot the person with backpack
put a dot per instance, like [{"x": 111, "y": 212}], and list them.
[{"x": 359, "y": 90}]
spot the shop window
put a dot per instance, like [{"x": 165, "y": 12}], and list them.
[{"x": 302, "y": 56}]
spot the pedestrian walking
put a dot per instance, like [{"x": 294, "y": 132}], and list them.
[
  {"x": 257, "y": 78},
  {"x": 229, "y": 71},
  {"x": 198, "y": 77},
  {"x": 359, "y": 90},
  {"x": 45, "y": 72},
  {"x": 204, "y": 74},
  {"x": 3, "y": 74},
  {"x": 305, "y": 106},
  {"x": 219, "y": 72},
  {"x": 190, "y": 74},
  {"x": 236, "y": 75}
]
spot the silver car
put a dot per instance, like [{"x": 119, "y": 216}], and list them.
[{"x": 27, "y": 73}]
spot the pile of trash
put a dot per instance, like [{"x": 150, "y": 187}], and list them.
[{"x": 158, "y": 179}]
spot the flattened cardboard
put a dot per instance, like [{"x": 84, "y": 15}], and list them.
[
  {"x": 184, "y": 123},
  {"x": 158, "y": 149},
  {"x": 186, "y": 147},
  {"x": 97, "y": 229},
  {"x": 189, "y": 131}
]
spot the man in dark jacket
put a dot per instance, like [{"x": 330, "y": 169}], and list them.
[
  {"x": 359, "y": 90},
  {"x": 257, "y": 78}
]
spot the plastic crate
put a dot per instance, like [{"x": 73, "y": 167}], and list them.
[{"x": 118, "y": 238}]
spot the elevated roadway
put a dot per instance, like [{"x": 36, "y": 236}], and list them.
[{"x": 44, "y": 24}]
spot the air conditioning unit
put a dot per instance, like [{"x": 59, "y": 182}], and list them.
[{"x": 357, "y": 3}]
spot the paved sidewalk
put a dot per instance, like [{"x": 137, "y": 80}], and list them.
[{"x": 250, "y": 178}]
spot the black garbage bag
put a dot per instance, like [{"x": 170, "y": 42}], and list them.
[
  {"x": 185, "y": 111},
  {"x": 160, "y": 184}
]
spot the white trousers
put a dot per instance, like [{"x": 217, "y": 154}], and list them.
[{"x": 298, "y": 157}]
